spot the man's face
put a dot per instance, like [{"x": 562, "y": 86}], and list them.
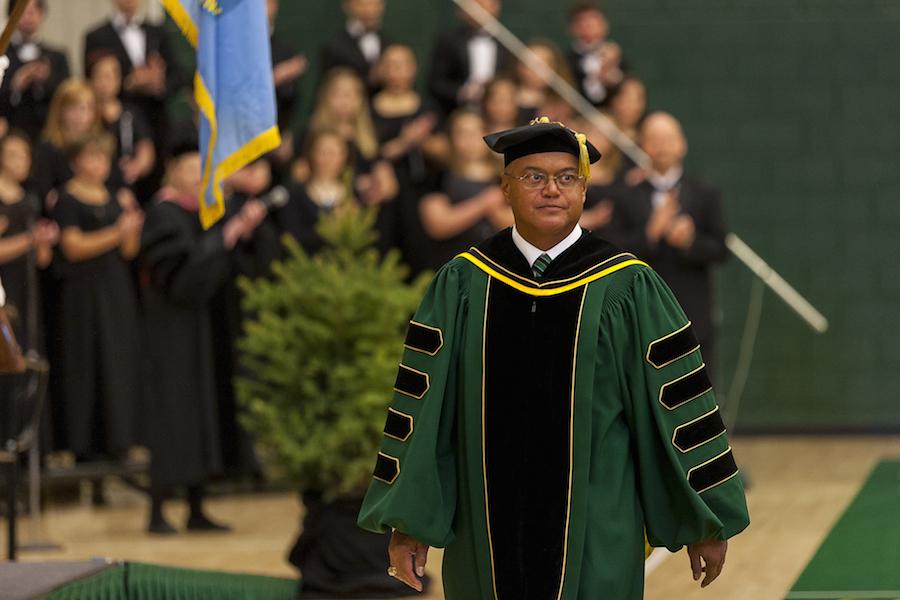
[
  {"x": 589, "y": 27},
  {"x": 128, "y": 7},
  {"x": 491, "y": 6},
  {"x": 550, "y": 210},
  {"x": 367, "y": 12},
  {"x": 32, "y": 19},
  {"x": 663, "y": 140}
]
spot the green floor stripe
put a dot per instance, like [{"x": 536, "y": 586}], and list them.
[
  {"x": 860, "y": 557},
  {"x": 136, "y": 581}
]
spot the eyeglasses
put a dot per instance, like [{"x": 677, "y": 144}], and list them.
[{"x": 536, "y": 180}]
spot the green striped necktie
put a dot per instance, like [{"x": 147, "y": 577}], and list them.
[{"x": 540, "y": 265}]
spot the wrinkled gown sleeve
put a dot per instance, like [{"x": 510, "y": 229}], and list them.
[
  {"x": 414, "y": 484},
  {"x": 690, "y": 488}
]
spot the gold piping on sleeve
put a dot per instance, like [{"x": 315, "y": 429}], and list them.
[
  {"x": 427, "y": 383},
  {"x": 695, "y": 446},
  {"x": 396, "y": 475},
  {"x": 718, "y": 483},
  {"x": 411, "y": 425},
  {"x": 440, "y": 335},
  {"x": 662, "y": 389},
  {"x": 665, "y": 337}
]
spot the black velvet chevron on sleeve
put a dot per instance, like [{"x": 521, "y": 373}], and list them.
[
  {"x": 411, "y": 382},
  {"x": 684, "y": 389},
  {"x": 699, "y": 431},
  {"x": 398, "y": 425},
  {"x": 423, "y": 338},
  {"x": 387, "y": 468},
  {"x": 712, "y": 473},
  {"x": 675, "y": 346}
]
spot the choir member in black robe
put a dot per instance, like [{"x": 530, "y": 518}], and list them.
[
  {"x": 35, "y": 71},
  {"x": 596, "y": 62},
  {"x": 73, "y": 115},
  {"x": 468, "y": 206},
  {"x": 187, "y": 270},
  {"x": 98, "y": 305},
  {"x": 26, "y": 244},
  {"x": 135, "y": 153}
]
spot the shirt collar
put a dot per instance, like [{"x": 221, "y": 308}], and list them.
[
  {"x": 356, "y": 29},
  {"x": 119, "y": 21},
  {"x": 667, "y": 180},
  {"x": 531, "y": 252}
]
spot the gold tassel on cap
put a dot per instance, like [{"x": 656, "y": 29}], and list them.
[{"x": 584, "y": 160}]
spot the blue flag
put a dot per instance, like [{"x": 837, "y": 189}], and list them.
[{"x": 233, "y": 88}]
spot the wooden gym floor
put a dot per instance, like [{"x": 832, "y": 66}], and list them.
[{"x": 800, "y": 487}]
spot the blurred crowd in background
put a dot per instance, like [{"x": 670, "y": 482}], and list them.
[{"x": 136, "y": 307}]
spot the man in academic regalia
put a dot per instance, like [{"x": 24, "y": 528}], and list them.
[{"x": 551, "y": 407}]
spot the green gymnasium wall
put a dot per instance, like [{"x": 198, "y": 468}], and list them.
[{"x": 792, "y": 107}]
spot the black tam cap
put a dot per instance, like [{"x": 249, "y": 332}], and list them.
[{"x": 540, "y": 136}]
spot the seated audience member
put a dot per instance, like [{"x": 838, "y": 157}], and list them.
[
  {"x": 73, "y": 115},
  {"x": 596, "y": 63},
  {"x": 533, "y": 90},
  {"x": 676, "y": 224},
  {"x": 186, "y": 269},
  {"x": 100, "y": 235},
  {"x": 327, "y": 188},
  {"x": 35, "y": 71},
  {"x": 465, "y": 59},
  {"x": 135, "y": 153},
  {"x": 359, "y": 44},
  {"x": 469, "y": 205},
  {"x": 288, "y": 68},
  {"x": 26, "y": 243}
]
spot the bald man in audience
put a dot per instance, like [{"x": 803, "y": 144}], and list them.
[{"x": 676, "y": 224}]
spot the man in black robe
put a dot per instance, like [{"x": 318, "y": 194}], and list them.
[
  {"x": 676, "y": 224},
  {"x": 359, "y": 44},
  {"x": 35, "y": 71}
]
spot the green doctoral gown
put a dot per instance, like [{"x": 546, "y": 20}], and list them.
[{"x": 540, "y": 428}]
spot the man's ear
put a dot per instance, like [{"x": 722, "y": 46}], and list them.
[{"x": 504, "y": 187}]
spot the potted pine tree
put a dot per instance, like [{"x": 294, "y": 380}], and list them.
[{"x": 322, "y": 345}]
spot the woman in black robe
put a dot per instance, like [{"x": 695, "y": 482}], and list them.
[
  {"x": 98, "y": 305},
  {"x": 186, "y": 271},
  {"x": 26, "y": 244}
]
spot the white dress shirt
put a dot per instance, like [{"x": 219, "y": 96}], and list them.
[
  {"x": 591, "y": 65},
  {"x": 368, "y": 41},
  {"x": 482, "y": 50},
  {"x": 531, "y": 252},
  {"x": 663, "y": 184},
  {"x": 133, "y": 37}
]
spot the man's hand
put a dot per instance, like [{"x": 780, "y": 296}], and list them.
[
  {"x": 408, "y": 556},
  {"x": 713, "y": 554},
  {"x": 682, "y": 233}
]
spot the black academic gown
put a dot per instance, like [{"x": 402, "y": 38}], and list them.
[
  {"x": 28, "y": 111},
  {"x": 343, "y": 50},
  {"x": 688, "y": 272},
  {"x": 185, "y": 268}
]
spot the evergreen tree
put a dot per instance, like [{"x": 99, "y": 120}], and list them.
[{"x": 320, "y": 352}]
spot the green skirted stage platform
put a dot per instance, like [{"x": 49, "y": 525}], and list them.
[
  {"x": 136, "y": 581},
  {"x": 860, "y": 558}
]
